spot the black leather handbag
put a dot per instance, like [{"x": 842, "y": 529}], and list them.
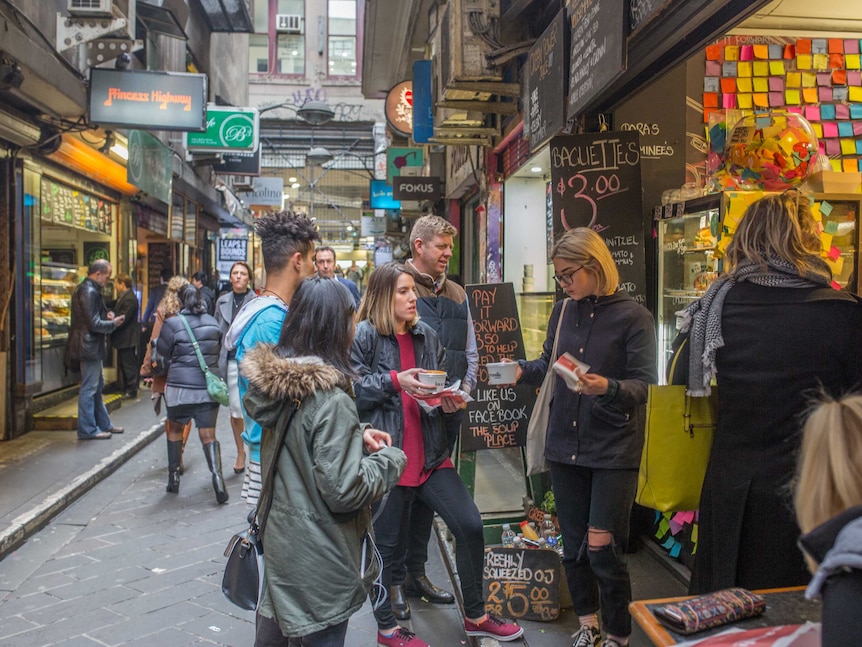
[{"x": 243, "y": 573}]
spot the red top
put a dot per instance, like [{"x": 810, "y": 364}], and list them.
[{"x": 414, "y": 474}]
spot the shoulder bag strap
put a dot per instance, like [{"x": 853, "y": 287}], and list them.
[
  {"x": 201, "y": 360},
  {"x": 264, "y": 501},
  {"x": 557, "y": 334}
]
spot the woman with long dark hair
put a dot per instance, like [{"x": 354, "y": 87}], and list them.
[
  {"x": 226, "y": 307},
  {"x": 317, "y": 530},
  {"x": 186, "y": 393},
  {"x": 390, "y": 348}
]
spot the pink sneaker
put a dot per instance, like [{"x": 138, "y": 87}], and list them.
[
  {"x": 494, "y": 627},
  {"x": 401, "y": 638}
]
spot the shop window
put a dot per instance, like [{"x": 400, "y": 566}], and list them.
[
  {"x": 191, "y": 223},
  {"x": 176, "y": 223},
  {"x": 28, "y": 302},
  {"x": 342, "y": 28},
  {"x": 258, "y": 53}
]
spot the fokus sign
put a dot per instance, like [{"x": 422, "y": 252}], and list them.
[
  {"x": 228, "y": 130},
  {"x": 147, "y": 100}
]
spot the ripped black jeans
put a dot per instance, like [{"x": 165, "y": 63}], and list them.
[{"x": 600, "y": 499}]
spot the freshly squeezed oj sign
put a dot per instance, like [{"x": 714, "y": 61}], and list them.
[{"x": 147, "y": 100}]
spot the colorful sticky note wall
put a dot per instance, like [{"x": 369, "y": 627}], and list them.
[{"x": 818, "y": 78}]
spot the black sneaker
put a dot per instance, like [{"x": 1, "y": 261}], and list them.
[{"x": 587, "y": 637}]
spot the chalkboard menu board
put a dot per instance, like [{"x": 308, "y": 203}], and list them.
[
  {"x": 546, "y": 82},
  {"x": 65, "y": 205},
  {"x": 598, "y": 49},
  {"x": 523, "y": 584},
  {"x": 641, "y": 11},
  {"x": 499, "y": 415},
  {"x": 596, "y": 182},
  {"x": 158, "y": 258}
]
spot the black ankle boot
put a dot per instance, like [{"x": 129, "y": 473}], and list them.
[
  {"x": 213, "y": 453},
  {"x": 175, "y": 455}
]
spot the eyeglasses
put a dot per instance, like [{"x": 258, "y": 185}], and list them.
[{"x": 565, "y": 280}]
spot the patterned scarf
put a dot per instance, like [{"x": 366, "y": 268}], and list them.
[{"x": 702, "y": 319}]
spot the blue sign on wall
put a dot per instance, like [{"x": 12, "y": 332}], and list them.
[
  {"x": 423, "y": 115},
  {"x": 381, "y": 196}
]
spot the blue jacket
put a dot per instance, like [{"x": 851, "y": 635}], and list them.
[{"x": 259, "y": 321}]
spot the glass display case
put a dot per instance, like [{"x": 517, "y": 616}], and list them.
[
  {"x": 53, "y": 293},
  {"x": 690, "y": 233}
]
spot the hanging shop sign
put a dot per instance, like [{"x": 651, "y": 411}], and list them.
[
  {"x": 96, "y": 250},
  {"x": 373, "y": 225},
  {"x": 423, "y": 106},
  {"x": 227, "y": 129},
  {"x": 596, "y": 183},
  {"x": 546, "y": 83},
  {"x": 399, "y": 108},
  {"x": 398, "y": 158},
  {"x": 239, "y": 163},
  {"x": 598, "y": 54},
  {"x": 417, "y": 188},
  {"x": 157, "y": 100},
  {"x": 268, "y": 192},
  {"x": 150, "y": 165},
  {"x": 381, "y": 196},
  {"x": 230, "y": 250}
]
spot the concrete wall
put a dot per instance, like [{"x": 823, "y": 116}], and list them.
[{"x": 524, "y": 236}]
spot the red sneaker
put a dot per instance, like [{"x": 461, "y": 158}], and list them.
[
  {"x": 494, "y": 627},
  {"x": 401, "y": 638}
]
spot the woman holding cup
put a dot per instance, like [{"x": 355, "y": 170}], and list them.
[
  {"x": 391, "y": 349},
  {"x": 595, "y": 432}
]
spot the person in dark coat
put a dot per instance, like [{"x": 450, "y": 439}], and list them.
[
  {"x": 595, "y": 430},
  {"x": 386, "y": 391},
  {"x": 156, "y": 294},
  {"x": 186, "y": 393},
  {"x": 91, "y": 322},
  {"x": 125, "y": 337},
  {"x": 226, "y": 308},
  {"x": 199, "y": 280},
  {"x": 829, "y": 510},
  {"x": 771, "y": 331}
]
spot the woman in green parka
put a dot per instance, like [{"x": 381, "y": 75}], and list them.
[{"x": 329, "y": 472}]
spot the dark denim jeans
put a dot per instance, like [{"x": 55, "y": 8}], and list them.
[
  {"x": 445, "y": 494},
  {"x": 268, "y": 634},
  {"x": 601, "y": 499},
  {"x": 420, "y": 520},
  {"x": 92, "y": 414}
]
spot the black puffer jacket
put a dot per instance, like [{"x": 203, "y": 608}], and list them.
[
  {"x": 378, "y": 400},
  {"x": 174, "y": 345}
]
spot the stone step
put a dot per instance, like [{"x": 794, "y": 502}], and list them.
[{"x": 64, "y": 416}]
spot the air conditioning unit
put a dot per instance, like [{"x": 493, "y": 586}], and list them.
[
  {"x": 288, "y": 22},
  {"x": 89, "y": 8}
]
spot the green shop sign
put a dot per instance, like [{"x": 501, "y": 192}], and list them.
[
  {"x": 150, "y": 165},
  {"x": 228, "y": 130}
]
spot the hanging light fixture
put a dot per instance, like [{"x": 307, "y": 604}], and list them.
[
  {"x": 316, "y": 113},
  {"x": 318, "y": 156}
]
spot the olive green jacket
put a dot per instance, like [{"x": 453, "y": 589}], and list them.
[{"x": 323, "y": 489}]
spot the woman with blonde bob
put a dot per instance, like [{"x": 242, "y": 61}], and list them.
[
  {"x": 596, "y": 428},
  {"x": 769, "y": 331},
  {"x": 829, "y": 510},
  {"x": 390, "y": 348}
]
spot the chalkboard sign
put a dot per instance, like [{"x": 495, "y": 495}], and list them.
[
  {"x": 158, "y": 258},
  {"x": 597, "y": 184},
  {"x": 523, "y": 584},
  {"x": 598, "y": 49},
  {"x": 642, "y": 11},
  {"x": 499, "y": 415},
  {"x": 546, "y": 80}
]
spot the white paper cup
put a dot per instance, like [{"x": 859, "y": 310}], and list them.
[
  {"x": 502, "y": 372},
  {"x": 437, "y": 379}
]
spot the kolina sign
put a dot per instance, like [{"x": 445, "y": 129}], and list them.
[
  {"x": 227, "y": 130},
  {"x": 136, "y": 99}
]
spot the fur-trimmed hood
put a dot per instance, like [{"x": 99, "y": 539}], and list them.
[{"x": 282, "y": 378}]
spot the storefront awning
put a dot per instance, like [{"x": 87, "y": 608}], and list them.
[{"x": 227, "y": 15}]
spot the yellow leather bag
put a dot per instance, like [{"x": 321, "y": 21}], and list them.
[{"x": 678, "y": 438}]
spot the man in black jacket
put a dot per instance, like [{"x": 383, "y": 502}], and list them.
[
  {"x": 125, "y": 336},
  {"x": 199, "y": 280},
  {"x": 91, "y": 321}
]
